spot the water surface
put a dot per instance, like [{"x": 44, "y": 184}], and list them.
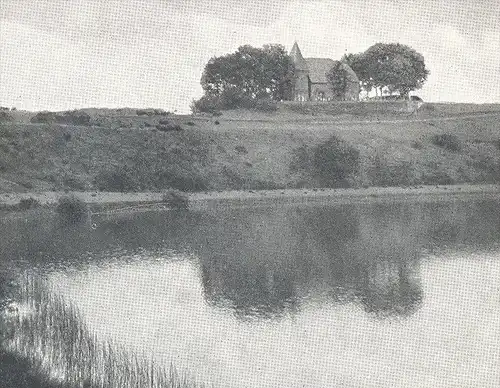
[{"x": 372, "y": 295}]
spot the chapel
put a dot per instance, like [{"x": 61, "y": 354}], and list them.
[{"x": 311, "y": 83}]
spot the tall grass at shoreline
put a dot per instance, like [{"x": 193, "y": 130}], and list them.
[{"x": 50, "y": 333}]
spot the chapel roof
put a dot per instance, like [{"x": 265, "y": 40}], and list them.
[{"x": 298, "y": 59}]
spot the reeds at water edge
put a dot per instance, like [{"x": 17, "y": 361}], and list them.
[{"x": 49, "y": 331}]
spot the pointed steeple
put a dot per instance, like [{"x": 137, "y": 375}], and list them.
[{"x": 298, "y": 59}]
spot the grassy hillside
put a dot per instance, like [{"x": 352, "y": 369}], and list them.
[{"x": 118, "y": 150}]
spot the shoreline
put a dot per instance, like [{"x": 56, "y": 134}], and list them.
[{"x": 123, "y": 202}]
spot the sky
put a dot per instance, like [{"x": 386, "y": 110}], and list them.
[{"x": 68, "y": 54}]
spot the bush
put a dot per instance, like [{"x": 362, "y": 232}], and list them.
[
  {"x": 5, "y": 117},
  {"x": 71, "y": 209},
  {"x": 266, "y": 105},
  {"x": 175, "y": 199},
  {"x": 169, "y": 127},
  {"x": 119, "y": 180},
  {"x": 388, "y": 174},
  {"x": 74, "y": 117},
  {"x": 232, "y": 99},
  {"x": 334, "y": 161},
  {"x": 206, "y": 104},
  {"x": 241, "y": 149},
  {"x": 70, "y": 117},
  {"x": 44, "y": 117},
  {"x": 28, "y": 203},
  {"x": 447, "y": 141}
]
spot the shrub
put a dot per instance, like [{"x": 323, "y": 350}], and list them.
[
  {"x": 241, "y": 149},
  {"x": 28, "y": 203},
  {"x": 44, "y": 117},
  {"x": 206, "y": 104},
  {"x": 216, "y": 122},
  {"x": 74, "y": 183},
  {"x": 447, "y": 141},
  {"x": 71, "y": 209},
  {"x": 190, "y": 123},
  {"x": 180, "y": 180},
  {"x": 119, "y": 180},
  {"x": 266, "y": 105},
  {"x": 74, "y": 117},
  {"x": 161, "y": 112},
  {"x": 145, "y": 112},
  {"x": 70, "y": 117},
  {"x": 417, "y": 145},
  {"x": 175, "y": 199},
  {"x": 5, "y": 117},
  {"x": 334, "y": 161},
  {"x": 388, "y": 174},
  {"x": 169, "y": 127}
]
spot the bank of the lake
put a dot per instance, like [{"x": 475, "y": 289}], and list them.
[{"x": 109, "y": 202}]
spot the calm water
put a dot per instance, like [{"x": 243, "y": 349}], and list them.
[{"x": 401, "y": 295}]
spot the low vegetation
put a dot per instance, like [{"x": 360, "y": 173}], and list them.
[
  {"x": 118, "y": 179},
  {"x": 231, "y": 99},
  {"x": 175, "y": 199},
  {"x": 447, "y": 141},
  {"x": 71, "y": 209},
  {"x": 76, "y": 117},
  {"x": 334, "y": 162},
  {"x": 273, "y": 150},
  {"x": 58, "y": 350}
]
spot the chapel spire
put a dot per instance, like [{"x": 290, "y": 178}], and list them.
[{"x": 298, "y": 59}]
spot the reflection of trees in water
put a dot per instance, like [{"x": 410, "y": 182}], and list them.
[
  {"x": 279, "y": 259},
  {"x": 269, "y": 261},
  {"x": 259, "y": 291}
]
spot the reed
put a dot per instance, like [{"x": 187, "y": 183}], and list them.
[{"x": 50, "y": 333}]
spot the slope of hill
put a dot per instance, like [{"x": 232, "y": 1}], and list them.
[{"x": 119, "y": 150}]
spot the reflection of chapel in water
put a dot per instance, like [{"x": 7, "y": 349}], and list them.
[{"x": 328, "y": 255}]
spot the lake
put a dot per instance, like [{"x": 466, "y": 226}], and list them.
[{"x": 360, "y": 295}]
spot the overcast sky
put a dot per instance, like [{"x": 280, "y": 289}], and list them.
[{"x": 65, "y": 54}]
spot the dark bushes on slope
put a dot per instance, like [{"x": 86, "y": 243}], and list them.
[
  {"x": 118, "y": 180},
  {"x": 71, "y": 209},
  {"x": 447, "y": 141},
  {"x": 334, "y": 161}
]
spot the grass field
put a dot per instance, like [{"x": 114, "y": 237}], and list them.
[{"x": 240, "y": 150}]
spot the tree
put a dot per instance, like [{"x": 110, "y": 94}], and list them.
[
  {"x": 252, "y": 72},
  {"x": 359, "y": 65},
  {"x": 337, "y": 79},
  {"x": 394, "y": 66}
]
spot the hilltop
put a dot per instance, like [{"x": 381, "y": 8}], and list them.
[{"x": 119, "y": 150}]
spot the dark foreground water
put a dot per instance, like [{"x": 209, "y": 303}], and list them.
[{"x": 380, "y": 295}]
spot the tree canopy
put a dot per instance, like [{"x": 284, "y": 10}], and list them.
[
  {"x": 337, "y": 79},
  {"x": 393, "y": 66},
  {"x": 252, "y": 72}
]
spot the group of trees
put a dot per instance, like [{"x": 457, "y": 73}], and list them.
[
  {"x": 247, "y": 75},
  {"x": 393, "y": 67},
  {"x": 250, "y": 75}
]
